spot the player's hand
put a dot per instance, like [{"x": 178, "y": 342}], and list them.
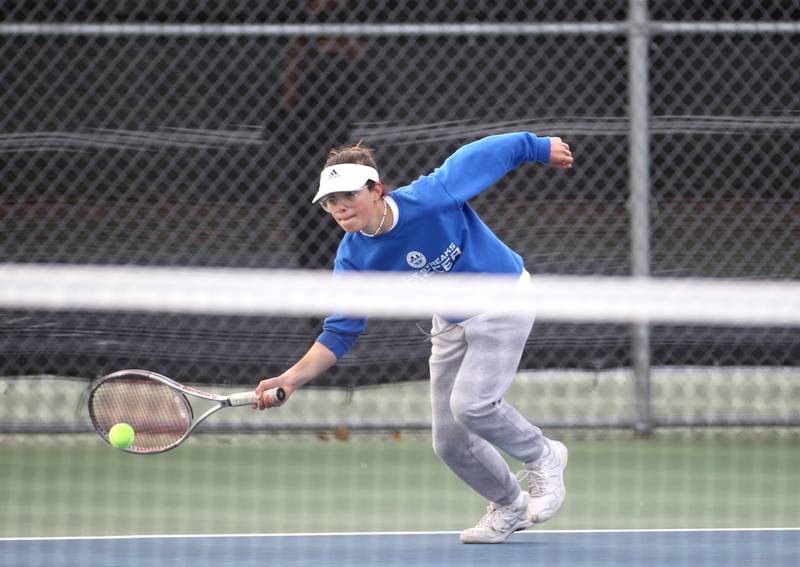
[
  {"x": 560, "y": 155},
  {"x": 266, "y": 400}
]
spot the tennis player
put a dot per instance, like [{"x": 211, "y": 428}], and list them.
[{"x": 425, "y": 228}]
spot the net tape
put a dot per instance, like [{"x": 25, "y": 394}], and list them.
[{"x": 302, "y": 292}]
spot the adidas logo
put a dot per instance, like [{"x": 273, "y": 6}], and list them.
[{"x": 333, "y": 173}]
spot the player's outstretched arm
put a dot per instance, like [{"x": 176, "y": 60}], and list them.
[
  {"x": 479, "y": 164},
  {"x": 560, "y": 154},
  {"x": 313, "y": 363}
]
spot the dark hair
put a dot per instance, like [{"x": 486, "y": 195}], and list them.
[
  {"x": 352, "y": 154},
  {"x": 355, "y": 154}
]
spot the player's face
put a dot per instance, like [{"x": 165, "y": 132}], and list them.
[{"x": 352, "y": 210}]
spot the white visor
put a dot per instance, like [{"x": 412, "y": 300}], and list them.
[{"x": 344, "y": 177}]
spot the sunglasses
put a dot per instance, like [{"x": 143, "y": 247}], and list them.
[{"x": 328, "y": 202}]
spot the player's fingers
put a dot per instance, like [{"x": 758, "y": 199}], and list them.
[
  {"x": 276, "y": 398},
  {"x": 561, "y": 155},
  {"x": 263, "y": 403},
  {"x": 264, "y": 385},
  {"x": 567, "y": 159},
  {"x": 269, "y": 399}
]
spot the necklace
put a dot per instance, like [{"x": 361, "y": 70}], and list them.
[{"x": 380, "y": 226}]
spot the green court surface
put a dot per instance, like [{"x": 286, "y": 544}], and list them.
[{"x": 76, "y": 485}]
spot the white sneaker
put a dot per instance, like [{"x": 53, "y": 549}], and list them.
[
  {"x": 498, "y": 523},
  {"x": 546, "y": 483}
]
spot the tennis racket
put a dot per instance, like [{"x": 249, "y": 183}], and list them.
[{"x": 156, "y": 407}]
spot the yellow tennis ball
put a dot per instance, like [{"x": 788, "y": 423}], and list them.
[{"x": 121, "y": 436}]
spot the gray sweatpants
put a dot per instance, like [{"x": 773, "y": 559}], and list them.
[{"x": 472, "y": 365}]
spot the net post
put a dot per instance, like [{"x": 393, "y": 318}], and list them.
[{"x": 638, "y": 45}]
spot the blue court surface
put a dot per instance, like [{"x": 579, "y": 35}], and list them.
[{"x": 707, "y": 548}]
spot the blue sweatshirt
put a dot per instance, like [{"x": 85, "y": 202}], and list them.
[{"x": 436, "y": 231}]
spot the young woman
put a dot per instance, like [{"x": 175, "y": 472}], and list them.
[{"x": 428, "y": 227}]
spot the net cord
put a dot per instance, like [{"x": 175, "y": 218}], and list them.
[{"x": 299, "y": 292}]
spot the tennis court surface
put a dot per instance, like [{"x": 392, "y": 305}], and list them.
[{"x": 713, "y": 548}]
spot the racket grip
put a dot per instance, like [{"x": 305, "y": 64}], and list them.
[{"x": 250, "y": 398}]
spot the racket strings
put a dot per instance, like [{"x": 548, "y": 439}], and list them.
[{"x": 159, "y": 415}]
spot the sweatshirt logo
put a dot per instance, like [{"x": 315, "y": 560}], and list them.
[
  {"x": 416, "y": 259},
  {"x": 444, "y": 263}
]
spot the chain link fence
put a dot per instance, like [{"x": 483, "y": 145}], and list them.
[{"x": 189, "y": 134}]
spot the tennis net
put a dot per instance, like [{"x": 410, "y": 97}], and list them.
[{"x": 707, "y": 342}]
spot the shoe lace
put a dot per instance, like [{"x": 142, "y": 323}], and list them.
[
  {"x": 486, "y": 521},
  {"x": 495, "y": 519},
  {"x": 537, "y": 481}
]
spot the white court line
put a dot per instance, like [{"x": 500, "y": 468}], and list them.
[{"x": 345, "y": 534}]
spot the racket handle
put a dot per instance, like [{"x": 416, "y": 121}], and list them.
[{"x": 250, "y": 398}]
